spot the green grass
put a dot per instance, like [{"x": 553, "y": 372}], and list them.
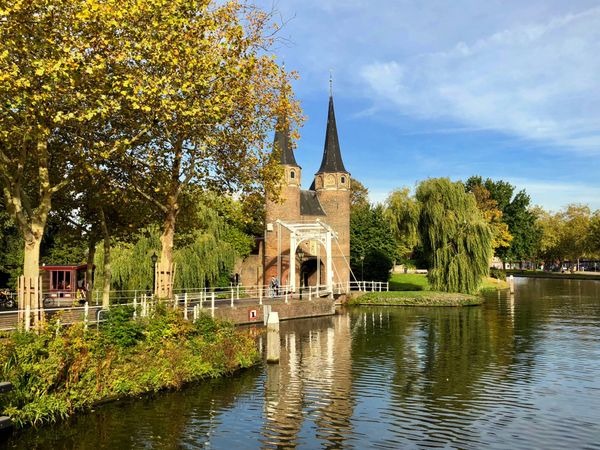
[
  {"x": 411, "y": 289},
  {"x": 409, "y": 282},
  {"x": 418, "y": 282},
  {"x": 416, "y": 298}
]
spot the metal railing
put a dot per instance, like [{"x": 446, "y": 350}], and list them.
[{"x": 191, "y": 301}]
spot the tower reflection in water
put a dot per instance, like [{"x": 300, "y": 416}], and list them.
[{"x": 308, "y": 394}]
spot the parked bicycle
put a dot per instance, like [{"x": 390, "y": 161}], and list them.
[{"x": 6, "y": 299}]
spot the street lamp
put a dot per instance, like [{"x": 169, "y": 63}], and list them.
[
  {"x": 362, "y": 267},
  {"x": 301, "y": 256},
  {"x": 154, "y": 259}
]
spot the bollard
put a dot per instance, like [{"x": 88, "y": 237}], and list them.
[
  {"x": 310, "y": 293},
  {"x": 185, "y": 306},
  {"x": 273, "y": 339},
  {"x": 286, "y": 296},
  {"x": 232, "y": 297},
  {"x": 212, "y": 304},
  {"x": 86, "y": 311},
  {"x": 260, "y": 295},
  {"x": 238, "y": 291}
]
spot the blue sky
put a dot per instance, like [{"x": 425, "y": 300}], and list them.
[{"x": 504, "y": 89}]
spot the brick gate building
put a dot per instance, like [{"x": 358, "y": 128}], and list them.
[{"x": 315, "y": 222}]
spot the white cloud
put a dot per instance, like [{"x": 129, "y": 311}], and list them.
[{"x": 537, "y": 81}]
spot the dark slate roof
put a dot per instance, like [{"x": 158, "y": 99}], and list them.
[
  {"x": 332, "y": 156},
  {"x": 282, "y": 140},
  {"x": 310, "y": 205}
]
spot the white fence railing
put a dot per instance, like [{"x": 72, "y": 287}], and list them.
[{"x": 192, "y": 301}]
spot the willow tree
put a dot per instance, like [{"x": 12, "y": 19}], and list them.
[
  {"x": 455, "y": 236},
  {"x": 402, "y": 212},
  {"x": 204, "y": 91}
]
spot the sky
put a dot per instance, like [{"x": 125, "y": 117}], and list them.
[{"x": 434, "y": 88}]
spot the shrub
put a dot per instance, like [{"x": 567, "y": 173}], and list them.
[
  {"x": 120, "y": 329},
  {"x": 498, "y": 274}
]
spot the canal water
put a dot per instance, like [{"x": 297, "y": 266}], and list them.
[{"x": 520, "y": 371}]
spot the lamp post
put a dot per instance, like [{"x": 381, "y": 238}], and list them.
[
  {"x": 154, "y": 259},
  {"x": 362, "y": 267},
  {"x": 301, "y": 256}
]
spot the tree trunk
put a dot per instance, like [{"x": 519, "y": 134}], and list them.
[
  {"x": 31, "y": 259},
  {"x": 107, "y": 270},
  {"x": 89, "y": 274},
  {"x": 166, "y": 256}
]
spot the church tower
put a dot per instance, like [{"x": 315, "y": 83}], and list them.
[{"x": 332, "y": 184}]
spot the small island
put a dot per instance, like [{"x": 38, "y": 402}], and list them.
[{"x": 414, "y": 290}]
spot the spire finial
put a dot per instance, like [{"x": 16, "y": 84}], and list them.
[{"x": 330, "y": 82}]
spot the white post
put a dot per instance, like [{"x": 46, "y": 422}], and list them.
[
  {"x": 292, "y": 273},
  {"x": 237, "y": 288},
  {"x": 286, "y": 296},
  {"x": 201, "y": 299},
  {"x": 212, "y": 304},
  {"x": 134, "y": 308},
  {"x": 329, "y": 263},
  {"x": 232, "y": 296},
  {"x": 260, "y": 295},
  {"x": 185, "y": 306},
  {"x": 86, "y": 311},
  {"x": 309, "y": 293}
]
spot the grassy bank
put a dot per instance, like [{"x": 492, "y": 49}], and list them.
[
  {"x": 414, "y": 290},
  {"x": 416, "y": 298},
  {"x": 61, "y": 371},
  {"x": 559, "y": 275}
]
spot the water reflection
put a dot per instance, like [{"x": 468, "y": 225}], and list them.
[{"x": 521, "y": 371}]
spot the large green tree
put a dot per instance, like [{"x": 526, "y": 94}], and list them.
[
  {"x": 517, "y": 214},
  {"x": 373, "y": 249},
  {"x": 455, "y": 236}
]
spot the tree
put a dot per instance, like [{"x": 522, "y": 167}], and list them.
[
  {"x": 574, "y": 242},
  {"x": 402, "y": 213},
  {"x": 373, "y": 250},
  {"x": 206, "y": 95},
  {"x": 594, "y": 234},
  {"x": 501, "y": 237},
  {"x": 516, "y": 214},
  {"x": 359, "y": 195},
  {"x": 50, "y": 73},
  {"x": 455, "y": 236},
  {"x": 522, "y": 226},
  {"x": 550, "y": 226}
]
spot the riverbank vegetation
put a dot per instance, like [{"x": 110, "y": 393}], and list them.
[
  {"x": 413, "y": 289},
  {"x": 416, "y": 298},
  {"x": 60, "y": 371}
]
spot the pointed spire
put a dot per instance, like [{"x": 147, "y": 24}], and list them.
[
  {"x": 332, "y": 156},
  {"x": 282, "y": 140}
]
